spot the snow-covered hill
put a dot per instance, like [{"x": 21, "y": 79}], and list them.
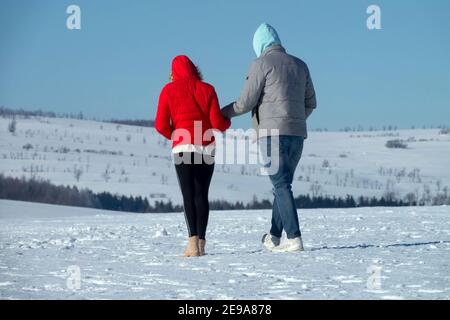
[
  {"x": 373, "y": 253},
  {"x": 136, "y": 161}
]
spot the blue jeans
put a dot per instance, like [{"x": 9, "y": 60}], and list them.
[{"x": 284, "y": 211}]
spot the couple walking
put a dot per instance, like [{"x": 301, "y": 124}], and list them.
[{"x": 280, "y": 94}]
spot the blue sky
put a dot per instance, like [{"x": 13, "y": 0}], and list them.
[{"x": 116, "y": 65}]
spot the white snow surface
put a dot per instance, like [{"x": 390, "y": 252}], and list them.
[
  {"x": 138, "y": 256},
  {"x": 137, "y": 161}
]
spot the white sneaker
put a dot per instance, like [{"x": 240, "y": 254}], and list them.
[
  {"x": 270, "y": 242},
  {"x": 290, "y": 245}
]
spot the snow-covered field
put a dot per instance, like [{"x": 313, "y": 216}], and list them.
[
  {"x": 136, "y": 161},
  {"x": 374, "y": 253}
]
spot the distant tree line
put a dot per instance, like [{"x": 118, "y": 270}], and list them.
[
  {"x": 36, "y": 190},
  {"x": 361, "y": 128},
  {"x": 314, "y": 202},
  {"x": 7, "y": 112},
  {"x": 138, "y": 122},
  {"x": 11, "y": 113}
]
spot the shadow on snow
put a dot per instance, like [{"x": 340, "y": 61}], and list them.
[{"x": 365, "y": 246}]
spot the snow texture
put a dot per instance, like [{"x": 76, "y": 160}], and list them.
[
  {"x": 373, "y": 253},
  {"x": 137, "y": 161}
]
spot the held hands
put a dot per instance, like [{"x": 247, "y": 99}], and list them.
[{"x": 228, "y": 110}]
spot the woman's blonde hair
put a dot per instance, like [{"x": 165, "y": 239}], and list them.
[{"x": 199, "y": 73}]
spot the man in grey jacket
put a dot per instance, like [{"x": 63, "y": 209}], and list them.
[{"x": 280, "y": 94}]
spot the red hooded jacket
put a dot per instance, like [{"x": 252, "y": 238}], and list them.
[{"x": 187, "y": 101}]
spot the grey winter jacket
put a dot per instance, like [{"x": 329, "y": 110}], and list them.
[{"x": 279, "y": 92}]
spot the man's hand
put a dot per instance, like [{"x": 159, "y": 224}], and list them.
[{"x": 228, "y": 111}]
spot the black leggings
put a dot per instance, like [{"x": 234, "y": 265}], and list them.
[{"x": 194, "y": 179}]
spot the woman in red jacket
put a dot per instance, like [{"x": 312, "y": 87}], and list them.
[{"x": 188, "y": 111}]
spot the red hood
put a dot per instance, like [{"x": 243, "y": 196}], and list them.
[{"x": 182, "y": 68}]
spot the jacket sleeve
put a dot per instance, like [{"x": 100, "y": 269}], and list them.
[
  {"x": 310, "y": 95},
  {"x": 250, "y": 95},
  {"x": 218, "y": 121},
  {"x": 163, "y": 120}
]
